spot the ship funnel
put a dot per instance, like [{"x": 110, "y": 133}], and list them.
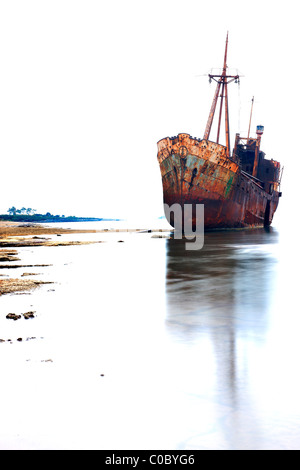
[{"x": 259, "y": 130}]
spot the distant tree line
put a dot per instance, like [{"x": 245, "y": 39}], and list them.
[
  {"x": 28, "y": 211},
  {"x": 27, "y": 214}
]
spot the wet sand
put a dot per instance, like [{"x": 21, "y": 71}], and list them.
[
  {"x": 16, "y": 235},
  {"x": 147, "y": 345},
  {"x": 15, "y": 229}
]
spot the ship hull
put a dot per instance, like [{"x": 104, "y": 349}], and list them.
[{"x": 199, "y": 172}]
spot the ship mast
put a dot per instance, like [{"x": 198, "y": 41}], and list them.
[
  {"x": 222, "y": 81},
  {"x": 250, "y": 120}
]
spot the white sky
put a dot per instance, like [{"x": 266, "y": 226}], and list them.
[{"x": 88, "y": 87}]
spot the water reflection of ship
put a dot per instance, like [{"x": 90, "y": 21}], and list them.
[
  {"x": 231, "y": 273},
  {"x": 220, "y": 296}
]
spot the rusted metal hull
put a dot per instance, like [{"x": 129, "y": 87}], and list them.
[{"x": 198, "y": 171}]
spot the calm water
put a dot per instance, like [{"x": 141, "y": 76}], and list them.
[{"x": 144, "y": 345}]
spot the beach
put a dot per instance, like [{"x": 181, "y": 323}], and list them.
[
  {"x": 119, "y": 338},
  {"x": 15, "y": 235}
]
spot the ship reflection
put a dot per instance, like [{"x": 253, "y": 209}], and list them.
[
  {"x": 218, "y": 305},
  {"x": 231, "y": 275}
]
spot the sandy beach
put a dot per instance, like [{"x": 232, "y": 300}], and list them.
[
  {"x": 15, "y": 229},
  {"x": 14, "y": 235},
  {"x": 135, "y": 345}
]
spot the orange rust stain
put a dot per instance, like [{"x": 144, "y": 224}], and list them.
[{"x": 230, "y": 199}]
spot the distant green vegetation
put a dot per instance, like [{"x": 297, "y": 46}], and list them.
[
  {"x": 29, "y": 211},
  {"x": 30, "y": 215}
]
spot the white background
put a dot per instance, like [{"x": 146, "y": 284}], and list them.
[{"x": 87, "y": 88}]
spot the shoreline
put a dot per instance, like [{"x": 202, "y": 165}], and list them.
[
  {"x": 14, "y": 235},
  {"x": 15, "y": 229}
]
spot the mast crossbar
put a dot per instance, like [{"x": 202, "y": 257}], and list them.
[{"x": 222, "y": 80}]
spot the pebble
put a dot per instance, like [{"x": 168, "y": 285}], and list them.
[{"x": 13, "y": 316}]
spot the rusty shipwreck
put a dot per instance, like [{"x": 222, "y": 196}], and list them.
[{"x": 239, "y": 189}]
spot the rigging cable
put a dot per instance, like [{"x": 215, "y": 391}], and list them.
[{"x": 239, "y": 107}]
